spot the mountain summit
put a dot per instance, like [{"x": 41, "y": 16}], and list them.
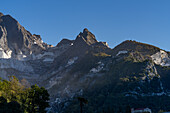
[
  {"x": 16, "y": 41},
  {"x": 86, "y": 37}
]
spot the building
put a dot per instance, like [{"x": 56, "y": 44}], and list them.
[{"x": 141, "y": 110}]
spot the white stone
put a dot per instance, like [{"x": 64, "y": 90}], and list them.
[
  {"x": 121, "y": 52},
  {"x": 15, "y": 64},
  {"x": 71, "y": 61},
  {"x": 5, "y": 55},
  {"x": 161, "y": 58}
]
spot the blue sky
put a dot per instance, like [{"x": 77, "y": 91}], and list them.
[{"x": 112, "y": 21}]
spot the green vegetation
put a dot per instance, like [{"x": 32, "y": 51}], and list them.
[
  {"x": 101, "y": 54},
  {"x": 16, "y": 97}
]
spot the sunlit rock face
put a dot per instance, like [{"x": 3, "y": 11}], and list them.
[{"x": 161, "y": 58}]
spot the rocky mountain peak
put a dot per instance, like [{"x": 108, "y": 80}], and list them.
[
  {"x": 89, "y": 37},
  {"x": 16, "y": 39},
  {"x": 86, "y": 37},
  {"x": 86, "y": 31}
]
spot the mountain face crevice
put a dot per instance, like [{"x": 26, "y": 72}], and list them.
[{"x": 85, "y": 67}]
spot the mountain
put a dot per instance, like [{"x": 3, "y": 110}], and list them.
[
  {"x": 16, "y": 41},
  {"x": 132, "y": 74}
]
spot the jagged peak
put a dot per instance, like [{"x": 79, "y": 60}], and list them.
[
  {"x": 86, "y": 32},
  {"x": 18, "y": 39},
  {"x": 86, "y": 37}
]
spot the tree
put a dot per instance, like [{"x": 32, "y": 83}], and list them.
[
  {"x": 37, "y": 99},
  {"x": 82, "y": 102},
  {"x": 16, "y": 97},
  {"x": 14, "y": 107},
  {"x": 25, "y": 83},
  {"x": 11, "y": 107},
  {"x": 3, "y": 104}
]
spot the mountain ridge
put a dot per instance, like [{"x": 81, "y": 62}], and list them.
[{"x": 84, "y": 67}]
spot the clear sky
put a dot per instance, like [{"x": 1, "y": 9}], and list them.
[{"x": 112, "y": 21}]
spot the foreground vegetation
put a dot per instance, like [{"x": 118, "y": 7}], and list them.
[{"x": 19, "y": 97}]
